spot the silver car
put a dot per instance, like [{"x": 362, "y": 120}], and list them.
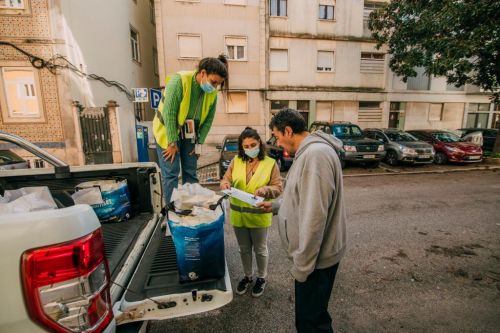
[{"x": 402, "y": 146}]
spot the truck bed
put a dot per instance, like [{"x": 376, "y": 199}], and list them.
[
  {"x": 157, "y": 272},
  {"x": 119, "y": 237}
]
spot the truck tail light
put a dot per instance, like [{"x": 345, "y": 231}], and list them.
[{"x": 66, "y": 286}]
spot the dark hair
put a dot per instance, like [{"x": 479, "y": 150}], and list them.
[
  {"x": 249, "y": 132},
  {"x": 288, "y": 117},
  {"x": 219, "y": 66}
]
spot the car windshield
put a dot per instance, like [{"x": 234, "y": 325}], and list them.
[
  {"x": 401, "y": 136},
  {"x": 231, "y": 146},
  {"x": 346, "y": 131},
  {"x": 446, "y": 137},
  {"x": 8, "y": 157}
]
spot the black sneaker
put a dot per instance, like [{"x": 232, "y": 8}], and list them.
[
  {"x": 258, "y": 288},
  {"x": 243, "y": 285}
]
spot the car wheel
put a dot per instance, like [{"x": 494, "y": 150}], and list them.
[
  {"x": 391, "y": 158},
  {"x": 440, "y": 158}
]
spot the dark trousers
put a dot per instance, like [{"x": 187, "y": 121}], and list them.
[
  {"x": 311, "y": 301},
  {"x": 170, "y": 171}
]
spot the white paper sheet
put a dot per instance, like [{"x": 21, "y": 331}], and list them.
[{"x": 243, "y": 196}]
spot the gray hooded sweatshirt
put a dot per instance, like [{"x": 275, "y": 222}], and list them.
[{"x": 311, "y": 211}]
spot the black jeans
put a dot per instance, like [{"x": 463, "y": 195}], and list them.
[{"x": 311, "y": 301}]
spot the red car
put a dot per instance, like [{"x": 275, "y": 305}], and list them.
[{"x": 449, "y": 147}]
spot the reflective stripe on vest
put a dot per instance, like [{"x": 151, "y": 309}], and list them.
[
  {"x": 159, "y": 129},
  {"x": 243, "y": 214}
]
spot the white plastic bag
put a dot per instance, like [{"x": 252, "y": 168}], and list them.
[
  {"x": 189, "y": 195},
  {"x": 90, "y": 196},
  {"x": 26, "y": 199}
]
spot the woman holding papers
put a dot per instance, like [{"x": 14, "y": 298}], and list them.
[{"x": 252, "y": 171}]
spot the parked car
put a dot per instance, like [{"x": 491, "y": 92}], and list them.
[
  {"x": 228, "y": 150},
  {"x": 282, "y": 157},
  {"x": 10, "y": 160},
  {"x": 449, "y": 147},
  {"x": 64, "y": 271},
  {"x": 489, "y": 136},
  {"x": 401, "y": 146},
  {"x": 356, "y": 147}
]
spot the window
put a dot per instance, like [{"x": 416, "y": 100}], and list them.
[
  {"x": 236, "y": 48},
  {"x": 152, "y": 11},
  {"x": 397, "y": 106},
  {"x": 237, "y": 102},
  {"x": 21, "y": 95},
  {"x": 452, "y": 87},
  {"x": 372, "y": 63},
  {"x": 12, "y": 4},
  {"x": 277, "y": 7},
  {"x": 481, "y": 107},
  {"x": 278, "y": 105},
  {"x": 155, "y": 61},
  {"x": 236, "y": 2},
  {"x": 436, "y": 112},
  {"x": 369, "y": 105},
  {"x": 367, "y": 9},
  {"x": 134, "y": 43},
  {"x": 325, "y": 12},
  {"x": 324, "y": 61},
  {"x": 369, "y": 111},
  {"x": 278, "y": 60},
  {"x": 189, "y": 46},
  {"x": 303, "y": 106},
  {"x": 420, "y": 82}
]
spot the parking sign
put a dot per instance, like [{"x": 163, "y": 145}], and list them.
[
  {"x": 140, "y": 94},
  {"x": 155, "y": 97}
]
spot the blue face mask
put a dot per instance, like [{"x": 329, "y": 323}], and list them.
[
  {"x": 207, "y": 87},
  {"x": 252, "y": 153}
]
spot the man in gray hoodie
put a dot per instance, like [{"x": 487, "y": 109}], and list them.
[{"x": 311, "y": 217}]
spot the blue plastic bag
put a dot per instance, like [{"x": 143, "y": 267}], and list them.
[
  {"x": 199, "y": 249},
  {"x": 115, "y": 206}
]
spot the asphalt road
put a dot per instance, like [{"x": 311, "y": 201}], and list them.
[{"x": 423, "y": 256}]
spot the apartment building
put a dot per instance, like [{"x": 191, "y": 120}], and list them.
[
  {"x": 52, "y": 106},
  {"x": 323, "y": 62},
  {"x": 189, "y": 30}
]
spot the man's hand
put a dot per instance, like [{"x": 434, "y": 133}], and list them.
[
  {"x": 225, "y": 186},
  {"x": 265, "y": 206},
  {"x": 169, "y": 153},
  {"x": 260, "y": 192}
]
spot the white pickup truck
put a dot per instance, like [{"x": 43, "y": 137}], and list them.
[{"x": 63, "y": 271}]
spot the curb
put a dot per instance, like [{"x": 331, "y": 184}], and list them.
[{"x": 396, "y": 173}]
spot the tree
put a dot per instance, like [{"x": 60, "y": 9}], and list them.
[{"x": 457, "y": 39}]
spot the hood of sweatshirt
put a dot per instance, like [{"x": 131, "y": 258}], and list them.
[{"x": 319, "y": 137}]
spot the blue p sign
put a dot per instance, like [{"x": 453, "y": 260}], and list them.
[{"x": 155, "y": 97}]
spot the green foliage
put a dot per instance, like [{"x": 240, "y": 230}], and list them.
[{"x": 458, "y": 39}]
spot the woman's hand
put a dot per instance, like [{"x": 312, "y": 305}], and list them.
[
  {"x": 169, "y": 153},
  {"x": 260, "y": 192},
  {"x": 266, "y": 206},
  {"x": 225, "y": 186},
  {"x": 193, "y": 152}
]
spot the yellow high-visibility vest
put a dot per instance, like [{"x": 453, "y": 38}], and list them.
[
  {"x": 159, "y": 129},
  {"x": 243, "y": 214}
]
